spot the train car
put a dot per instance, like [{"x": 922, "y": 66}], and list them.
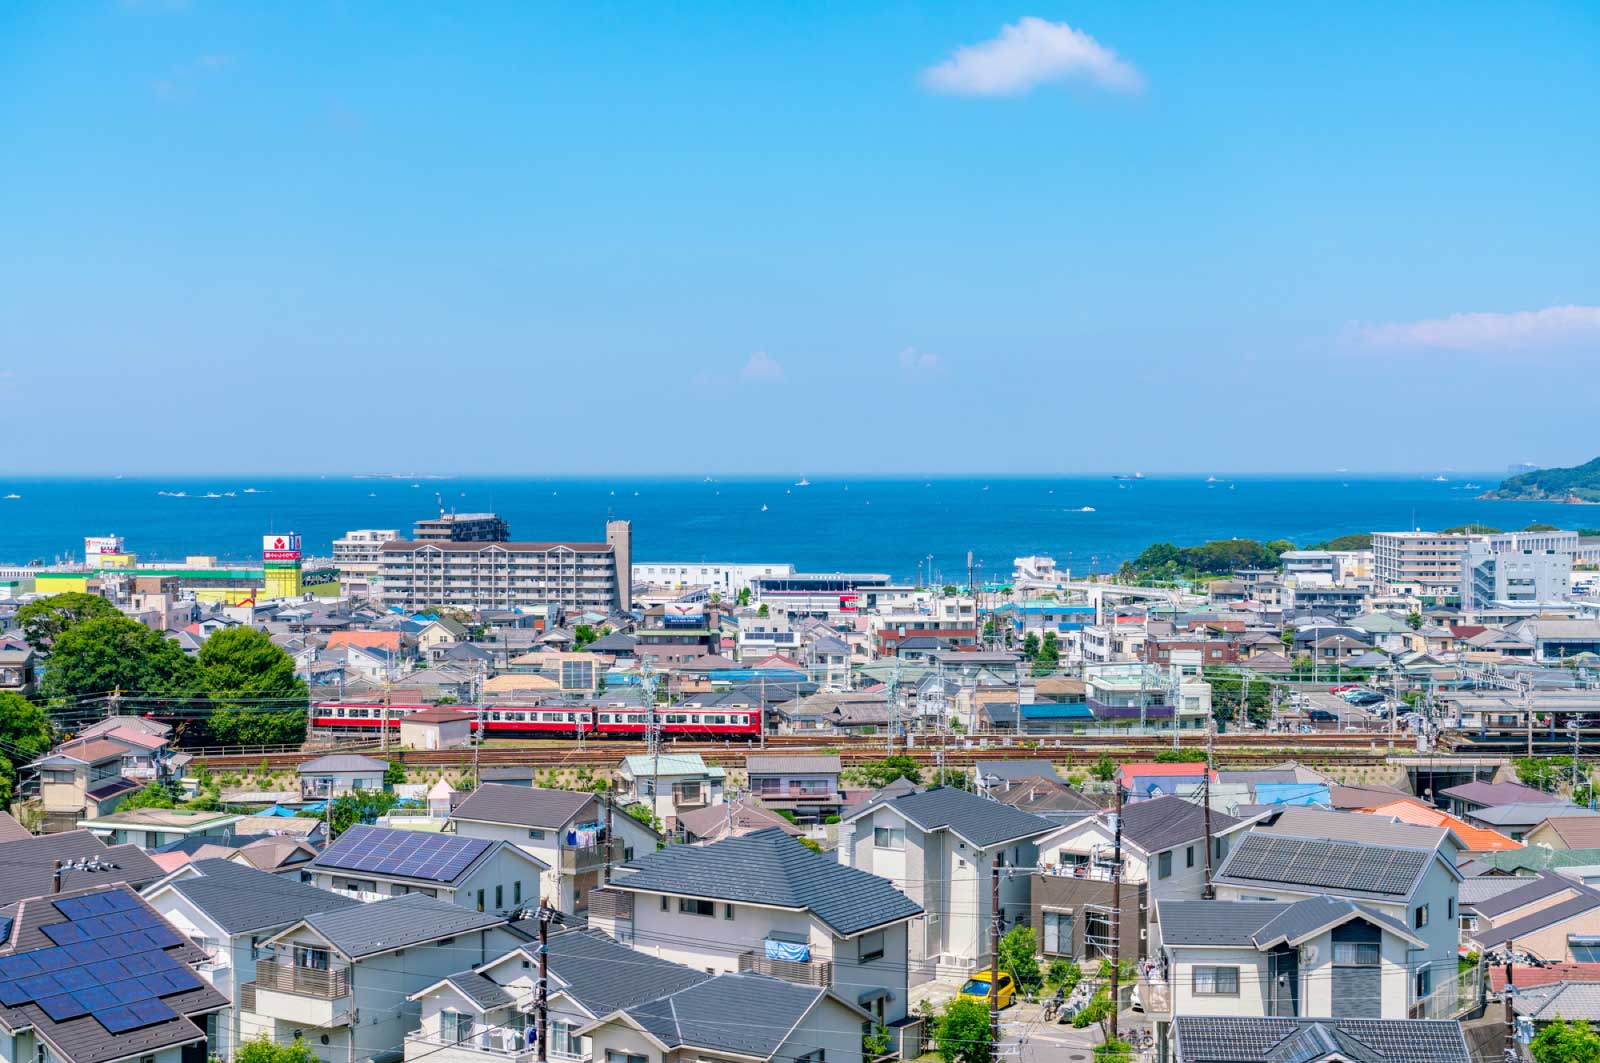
[{"x": 556, "y": 721}]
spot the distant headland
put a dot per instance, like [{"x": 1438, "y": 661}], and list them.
[{"x": 1578, "y": 484}]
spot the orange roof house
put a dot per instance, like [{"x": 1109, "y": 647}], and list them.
[
  {"x": 367, "y": 640},
  {"x": 1476, "y": 839}
]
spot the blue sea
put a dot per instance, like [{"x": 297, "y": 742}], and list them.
[{"x": 864, "y": 524}]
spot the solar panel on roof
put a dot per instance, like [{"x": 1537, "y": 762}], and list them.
[
  {"x": 150, "y": 1012},
  {"x": 164, "y": 937},
  {"x": 63, "y": 1007},
  {"x": 75, "y": 978},
  {"x": 17, "y": 967},
  {"x": 115, "y": 946},
  {"x": 434, "y": 857},
  {"x": 65, "y": 933},
  {"x": 97, "y": 998},
  {"x": 12, "y": 994}
]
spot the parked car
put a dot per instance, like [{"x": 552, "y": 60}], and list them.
[
  {"x": 1342, "y": 687},
  {"x": 1321, "y": 716},
  {"x": 978, "y": 986}
]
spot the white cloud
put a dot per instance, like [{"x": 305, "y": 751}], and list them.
[
  {"x": 915, "y": 361},
  {"x": 1553, "y": 326},
  {"x": 1029, "y": 53},
  {"x": 761, "y": 367}
]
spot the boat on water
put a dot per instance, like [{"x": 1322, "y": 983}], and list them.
[
  {"x": 1085, "y": 509},
  {"x": 1471, "y": 487},
  {"x": 230, "y": 494},
  {"x": 802, "y": 482},
  {"x": 12, "y": 496},
  {"x": 1212, "y": 480},
  {"x": 211, "y": 494},
  {"x": 253, "y": 491},
  {"x": 763, "y": 507},
  {"x": 1441, "y": 479},
  {"x": 1125, "y": 476}
]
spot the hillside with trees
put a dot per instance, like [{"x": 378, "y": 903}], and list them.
[{"x": 1580, "y": 482}]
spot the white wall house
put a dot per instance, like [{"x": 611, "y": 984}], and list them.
[
  {"x": 564, "y": 830},
  {"x": 941, "y": 847},
  {"x": 765, "y": 903},
  {"x": 669, "y": 783}
]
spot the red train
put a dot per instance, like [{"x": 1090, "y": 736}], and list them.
[{"x": 557, "y": 721}]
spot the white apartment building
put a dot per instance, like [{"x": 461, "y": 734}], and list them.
[
  {"x": 356, "y": 556},
  {"x": 1428, "y": 561},
  {"x": 728, "y": 577}
]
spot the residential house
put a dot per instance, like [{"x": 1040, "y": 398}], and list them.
[
  {"x": 1472, "y": 796},
  {"x": 1163, "y": 858},
  {"x": 1320, "y": 956},
  {"x": 95, "y": 976},
  {"x": 1565, "y": 832},
  {"x": 37, "y": 865},
  {"x": 1474, "y": 839},
  {"x": 1570, "y": 1001},
  {"x": 1550, "y": 917},
  {"x": 1518, "y": 818},
  {"x": 81, "y": 778},
  {"x": 373, "y": 863},
  {"x": 152, "y": 828},
  {"x": 805, "y": 785},
  {"x": 942, "y": 847},
  {"x": 1406, "y": 873},
  {"x": 341, "y": 981},
  {"x": 731, "y": 819},
  {"x": 767, "y": 904},
  {"x": 669, "y": 783},
  {"x": 230, "y": 911},
  {"x": 18, "y": 670},
  {"x": 564, "y": 830},
  {"x": 436, "y": 728},
  {"x": 338, "y": 774},
  {"x": 1218, "y": 1039}
]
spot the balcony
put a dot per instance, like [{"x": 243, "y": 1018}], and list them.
[
  {"x": 303, "y": 981},
  {"x": 814, "y": 973},
  {"x": 1156, "y": 998},
  {"x": 301, "y": 995},
  {"x": 497, "y": 1044}
]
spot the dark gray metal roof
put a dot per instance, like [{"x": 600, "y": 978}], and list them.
[
  {"x": 1219, "y": 1039},
  {"x": 1554, "y": 915},
  {"x": 769, "y": 867},
  {"x": 342, "y": 762},
  {"x": 1525, "y": 891},
  {"x": 717, "y": 1014},
  {"x": 480, "y": 990},
  {"x": 240, "y": 898},
  {"x": 604, "y": 976},
  {"x": 27, "y": 865},
  {"x": 396, "y": 923},
  {"x": 980, "y": 821},
  {"x": 797, "y": 763},
  {"x": 522, "y": 806},
  {"x": 1162, "y": 822},
  {"x": 1261, "y": 924},
  {"x": 1012, "y": 770},
  {"x": 1386, "y": 872}
]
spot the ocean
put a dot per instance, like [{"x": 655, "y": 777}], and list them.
[{"x": 833, "y": 524}]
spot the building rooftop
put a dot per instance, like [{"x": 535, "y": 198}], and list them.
[
  {"x": 1219, "y": 1039},
  {"x": 240, "y": 899},
  {"x": 165, "y": 819},
  {"x": 522, "y": 806},
  {"x": 396, "y": 923}
]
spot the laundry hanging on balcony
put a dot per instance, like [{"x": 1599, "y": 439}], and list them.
[{"x": 788, "y": 950}]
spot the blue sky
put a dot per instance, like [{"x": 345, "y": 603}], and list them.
[{"x": 892, "y": 237}]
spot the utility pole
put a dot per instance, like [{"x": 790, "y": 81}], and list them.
[
  {"x": 994, "y": 953},
  {"x": 1512, "y": 1055},
  {"x": 545, "y": 915},
  {"x": 383, "y": 727},
  {"x": 1116, "y": 911},
  {"x": 609, "y": 842},
  {"x": 1209, "y": 891}
]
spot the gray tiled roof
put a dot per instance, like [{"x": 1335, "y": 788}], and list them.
[
  {"x": 1012, "y": 770},
  {"x": 1218, "y": 1039},
  {"x": 1302, "y": 822},
  {"x": 769, "y": 867},
  {"x": 1526, "y": 813},
  {"x": 27, "y": 865},
  {"x": 1526, "y": 891},
  {"x": 239, "y": 898},
  {"x": 1162, "y": 822},
  {"x": 1554, "y": 915},
  {"x": 1563, "y": 1000},
  {"x": 1476, "y": 890},
  {"x": 1261, "y": 924},
  {"x": 604, "y": 976},
  {"x": 395, "y": 923},
  {"x": 523, "y": 806},
  {"x": 809, "y": 764},
  {"x": 480, "y": 990},
  {"x": 717, "y": 1014},
  {"x": 342, "y": 762},
  {"x": 980, "y": 821}
]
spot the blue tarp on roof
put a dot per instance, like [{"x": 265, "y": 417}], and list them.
[
  {"x": 1044, "y": 711},
  {"x": 276, "y": 810},
  {"x": 1292, "y": 793}
]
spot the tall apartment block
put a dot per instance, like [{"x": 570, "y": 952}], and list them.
[
  {"x": 476, "y": 575},
  {"x": 462, "y": 528},
  {"x": 1427, "y": 560}
]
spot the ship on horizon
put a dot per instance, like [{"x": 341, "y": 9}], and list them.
[{"x": 1125, "y": 476}]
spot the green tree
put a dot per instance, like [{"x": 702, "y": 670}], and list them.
[
  {"x": 1566, "y": 1042},
  {"x": 1097, "y": 1010},
  {"x": 880, "y": 773},
  {"x": 264, "y": 1050},
  {"x": 1019, "y": 955},
  {"x": 24, "y": 735},
  {"x": 955, "y": 778},
  {"x": 43, "y": 621},
  {"x": 1113, "y": 1052},
  {"x": 360, "y": 806},
  {"x": 1104, "y": 769},
  {"x": 810, "y": 843},
  {"x": 744, "y": 596},
  {"x": 582, "y": 635},
  {"x": 1414, "y": 621},
  {"x": 1048, "y": 659},
  {"x": 1064, "y": 974},
  {"x": 1543, "y": 773},
  {"x": 256, "y": 697},
  {"x": 963, "y": 1033},
  {"x": 107, "y": 653},
  {"x": 762, "y": 612},
  {"x": 154, "y": 795},
  {"x": 644, "y": 814},
  {"x": 949, "y": 589},
  {"x": 394, "y": 774},
  {"x": 876, "y": 1043},
  {"x": 1180, "y": 756},
  {"x": 1030, "y": 645}
]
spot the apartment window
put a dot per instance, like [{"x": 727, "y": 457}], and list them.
[
  {"x": 1450, "y": 907},
  {"x": 1188, "y": 857},
  {"x": 1164, "y": 865},
  {"x": 1355, "y": 953},
  {"x": 499, "y": 896},
  {"x": 536, "y": 835},
  {"x": 871, "y": 946},
  {"x": 727, "y": 911},
  {"x": 454, "y": 1027},
  {"x": 613, "y": 1056},
  {"x": 1419, "y": 918},
  {"x": 480, "y": 900},
  {"x": 1216, "y": 981},
  {"x": 564, "y": 1040},
  {"x": 666, "y": 904},
  {"x": 1057, "y": 933},
  {"x": 889, "y": 837},
  {"x": 516, "y": 892},
  {"x": 1424, "y": 982},
  {"x": 696, "y": 906}
]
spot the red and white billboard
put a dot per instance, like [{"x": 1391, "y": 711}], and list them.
[
  {"x": 95, "y": 545},
  {"x": 284, "y": 547}
]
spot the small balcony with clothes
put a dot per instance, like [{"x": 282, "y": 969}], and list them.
[
  {"x": 788, "y": 960},
  {"x": 498, "y": 1036},
  {"x": 306, "y": 990}
]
